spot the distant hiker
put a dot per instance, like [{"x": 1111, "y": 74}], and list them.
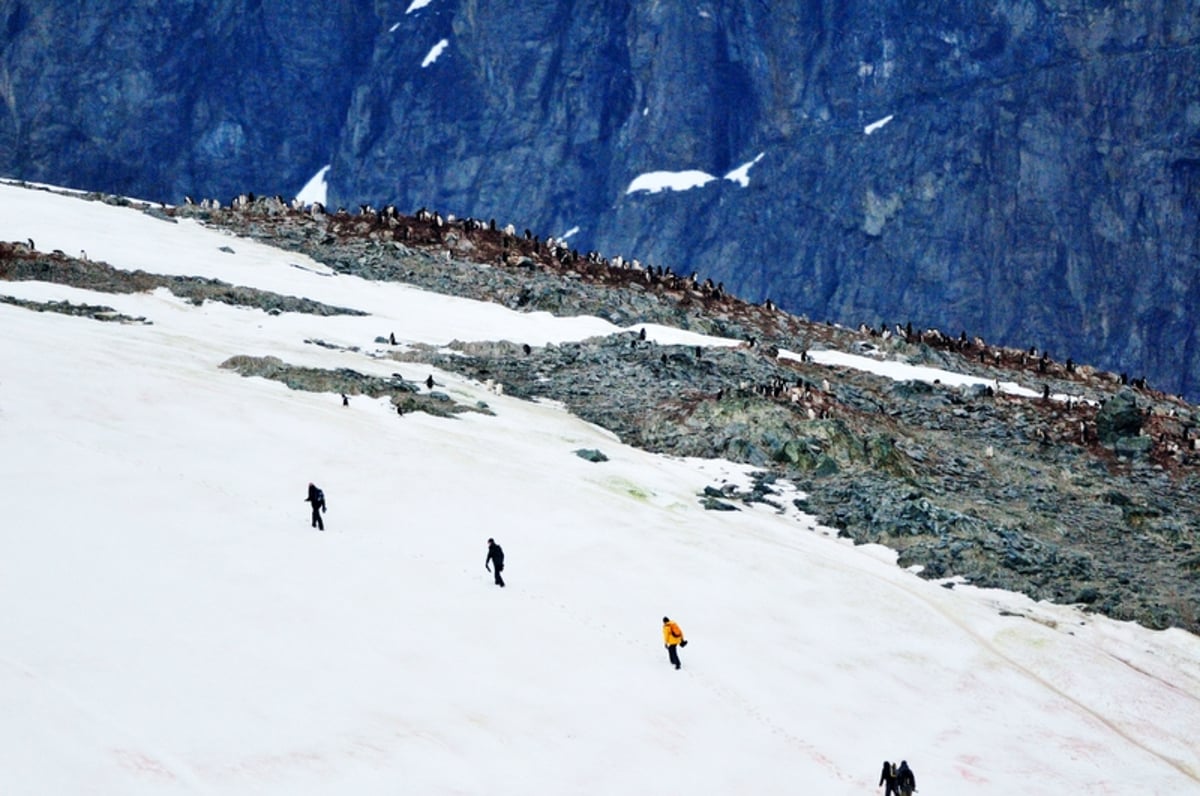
[
  {"x": 495, "y": 557},
  {"x": 429, "y": 381},
  {"x": 888, "y": 778},
  {"x": 317, "y": 498},
  {"x": 906, "y": 783},
  {"x": 673, "y": 638}
]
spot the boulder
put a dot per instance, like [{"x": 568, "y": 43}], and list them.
[{"x": 1120, "y": 416}]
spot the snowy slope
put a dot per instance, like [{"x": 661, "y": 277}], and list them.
[{"x": 174, "y": 625}]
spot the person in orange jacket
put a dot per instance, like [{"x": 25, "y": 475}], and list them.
[{"x": 673, "y": 638}]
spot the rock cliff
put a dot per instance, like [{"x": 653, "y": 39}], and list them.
[
  {"x": 163, "y": 100},
  {"x": 1024, "y": 170}
]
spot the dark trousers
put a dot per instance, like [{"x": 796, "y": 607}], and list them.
[
  {"x": 317, "y": 522},
  {"x": 496, "y": 569},
  {"x": 890, "y": 789},
  {"x": 673, "y": 654}
]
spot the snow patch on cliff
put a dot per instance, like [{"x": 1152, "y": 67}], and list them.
[
  {"x": 316, "y": 189},
  {"x": 655, "y": 181},
  {"x": 434, "y": 52},
  {"x": 741, "y": 175},
  {"x": 873, "y": 126}
]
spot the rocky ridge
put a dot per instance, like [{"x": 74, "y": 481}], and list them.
[{"x": 1092, "y": 501}]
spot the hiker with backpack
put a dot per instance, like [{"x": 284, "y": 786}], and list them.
[
  {"x": 317, "y": 498},
  {"x": 888, "y": 778},
  {"x": 906, "y": 783},
  {"x": 673, "y": 638}
]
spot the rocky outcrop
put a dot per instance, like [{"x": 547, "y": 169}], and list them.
[
  {"x": 1119, "y": 418},
  {"x": 19, "y": 263},
  {"x": 1025, "y": 171},
  {"x": 405, "y": 396}
]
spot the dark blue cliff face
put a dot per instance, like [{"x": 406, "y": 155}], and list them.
[
  {"x": 1037, "y": 180},
  {"x": 160, "y": 100}
]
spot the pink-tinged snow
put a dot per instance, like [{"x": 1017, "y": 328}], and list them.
[{"x": 173, "y": 624}]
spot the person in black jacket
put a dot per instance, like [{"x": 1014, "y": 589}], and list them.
[
  {"x": 905, "y": 781},
  {"x": 495, "y": 557},
  {"x": 888, "y": 778},
  {"x": 317, "y": 498}
]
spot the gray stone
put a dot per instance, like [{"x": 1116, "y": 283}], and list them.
[
  {"x": 1120, "y": 416},
  {"x": 1133, "y": 446}
]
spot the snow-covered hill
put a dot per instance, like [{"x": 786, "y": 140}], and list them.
[{"x": 174, "y": 625}]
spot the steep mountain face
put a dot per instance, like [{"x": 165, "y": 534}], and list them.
[
  {"x": 162, "y": 100},
  {"x": 1027, "y": 171}
]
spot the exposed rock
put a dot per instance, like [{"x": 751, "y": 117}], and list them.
[
  {"x": 1119, "y": 417},
  {"x": 17, "y": 265},
  {"x": 404, "y": 395},
  {"x": 97, "y": 312},
  {"x": 163, "y": 100}
]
